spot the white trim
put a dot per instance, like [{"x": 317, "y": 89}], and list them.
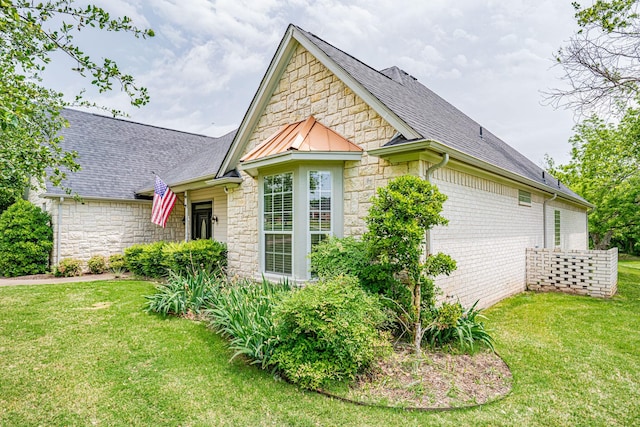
[
  {"x": 278, "y": 64},
  {"x": 262, "y": 247},
  {"x": 357, "y": 88},
  {"x": 252, "y": 167},
  {"x": 420, "y": 145}
]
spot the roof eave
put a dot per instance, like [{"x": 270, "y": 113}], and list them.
[
  {"x": 288, "y": 44},
  {"x": 252, "y": 167},
  {"x": 421, "y": 145}
]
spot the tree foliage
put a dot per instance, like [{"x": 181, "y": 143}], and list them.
[
  {"x": 30, "y": 114},
  {"x": 605, "y": 170},
  {"x": 398, "y": 220},
  {"x": 600, "y": 61}
]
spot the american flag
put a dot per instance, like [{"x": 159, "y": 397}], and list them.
[{"x": 163, "y": 201}]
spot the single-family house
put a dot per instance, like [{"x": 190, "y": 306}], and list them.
[{"x": 322, "y": 133}]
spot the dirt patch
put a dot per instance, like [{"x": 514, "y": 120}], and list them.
[{"x": 436, "y": 381}]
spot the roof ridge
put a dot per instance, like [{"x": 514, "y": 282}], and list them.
[
  {"x": 121, "y": 119},
  {"x": 348, "y": 54}
]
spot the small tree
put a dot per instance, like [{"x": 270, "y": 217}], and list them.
[
  {"x": 26, "y": 238},
  {"x": 399, "y": 218}
]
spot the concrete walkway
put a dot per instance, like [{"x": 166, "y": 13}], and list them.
[{"x": 53, "y": 280}]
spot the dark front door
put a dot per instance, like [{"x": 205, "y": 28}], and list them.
[{"x": 201, "y": 220}]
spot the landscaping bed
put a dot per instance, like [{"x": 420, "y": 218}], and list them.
[{"x": 436, "y": 381}]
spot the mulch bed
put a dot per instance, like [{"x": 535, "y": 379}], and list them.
[{"x": 437, "y": 381}]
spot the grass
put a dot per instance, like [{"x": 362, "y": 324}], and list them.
[{"x": 86, "y": 354}]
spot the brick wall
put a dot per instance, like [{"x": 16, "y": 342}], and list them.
[
  {"x": 489, "y": 232},
  {"x": 585, "y": 272}
]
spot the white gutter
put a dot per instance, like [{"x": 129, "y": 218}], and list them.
[
  {"x": 59, "y": 230},
  {"x": 428, "y": 144},
  {"x": 544, "y": 219},
  {"x": 428, "y": 173},
  {"x": 187, "y": 216}
]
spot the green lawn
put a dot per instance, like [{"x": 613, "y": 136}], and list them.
[{"x": 86, "y": 354}]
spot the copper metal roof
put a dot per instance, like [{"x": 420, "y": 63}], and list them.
[{"x": 306, "y": 135}]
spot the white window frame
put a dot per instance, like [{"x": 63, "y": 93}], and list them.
[
  {"x": 300, "y": 230},
  {"x": 331, "y": 208},
  {"x": 264, "y": 232}
]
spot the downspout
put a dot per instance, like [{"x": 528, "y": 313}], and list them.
[
  {"x": 544, "y": 219},
  {"x": 428, "y": 173},
  {"x": 187, "y": 216},
  {"x": 59, "y": 230}
]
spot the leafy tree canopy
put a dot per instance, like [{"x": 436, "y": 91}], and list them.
[
  {"x": 30, "y": 114},
  {"x": 605, "y": 169},
  {"x": 600, "y": 61}
]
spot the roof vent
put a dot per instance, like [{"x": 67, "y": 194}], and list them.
[{"x": 481, "y": 136}]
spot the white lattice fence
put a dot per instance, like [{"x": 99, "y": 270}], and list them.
[{"x": 593, "y": 273}]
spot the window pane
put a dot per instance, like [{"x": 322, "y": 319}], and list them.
[
  {"x": 278, "y": 252},
  {"x": 278, "y": 217}
]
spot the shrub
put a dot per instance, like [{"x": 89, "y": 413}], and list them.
[
  {"x": 117, "y": 264},
  {"x": 152, "y": 260},
  {"x": 182, "y": 295},
  {"x": 97, "y": 264},
  {"x": 68, "y": 267},
  {"x": 243, "y": 312},
  {"x": 26, "y": 239},
  {"x": 452, "y": 324},
  {"x": 337, "y": 256},
  {"x": 187, "y": 257},
  {"x": 133, "y": 259},
  {"x": 328, "y": 332},
  {"x": 146, "y": 260},
  {"x": 399, "y": 217}
]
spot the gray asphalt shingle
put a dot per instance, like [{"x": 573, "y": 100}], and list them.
[
  {"x": 118, "y": 156},
  {"x": 433, "y": 117}
]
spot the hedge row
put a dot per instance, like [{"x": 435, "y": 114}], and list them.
[{"x": 157, "y": 259}]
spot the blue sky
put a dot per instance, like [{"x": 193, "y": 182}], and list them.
[{"x": 490, "y": 58}]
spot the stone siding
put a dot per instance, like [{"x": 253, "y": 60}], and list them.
[
  {"x": 585, "y": 272},
  {"x": 307, "y": 88},
  {"x": 488, "y": 235},
  {"x": 105, "y": 228}
]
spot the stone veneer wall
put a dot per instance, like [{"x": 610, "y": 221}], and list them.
[
  {"x": 585, "y": 272},
  {"x": 108, "y": 227},
  {"x": 307, "y": 88},
  {"x": 488, "y": 233}
]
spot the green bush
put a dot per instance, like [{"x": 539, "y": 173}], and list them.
[
  {"x": 133, "y": 259},
  {"x": 68, "y": 267},
  {"x": 337, "y": 256},
  {"x": 26, "y": 239},
  {"x": 186, "y": 257},
  {"x": 452, "y": 325},
  {"x": 146, "y": 260},
  {"x": 182, "y": 295},
  {"x": 347, "y": 256},
  {"x": 117, "y": 264},
  {"x": 328, "y": 332},
  {"x": 152, "y": 260},
  {"x": 243, "y": 312},
  {"x": 97, "y": 264}
]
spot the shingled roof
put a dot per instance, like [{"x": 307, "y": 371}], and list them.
[
  {"x": 435, "y": 119},
  {"x": 118, "y": 156}
]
